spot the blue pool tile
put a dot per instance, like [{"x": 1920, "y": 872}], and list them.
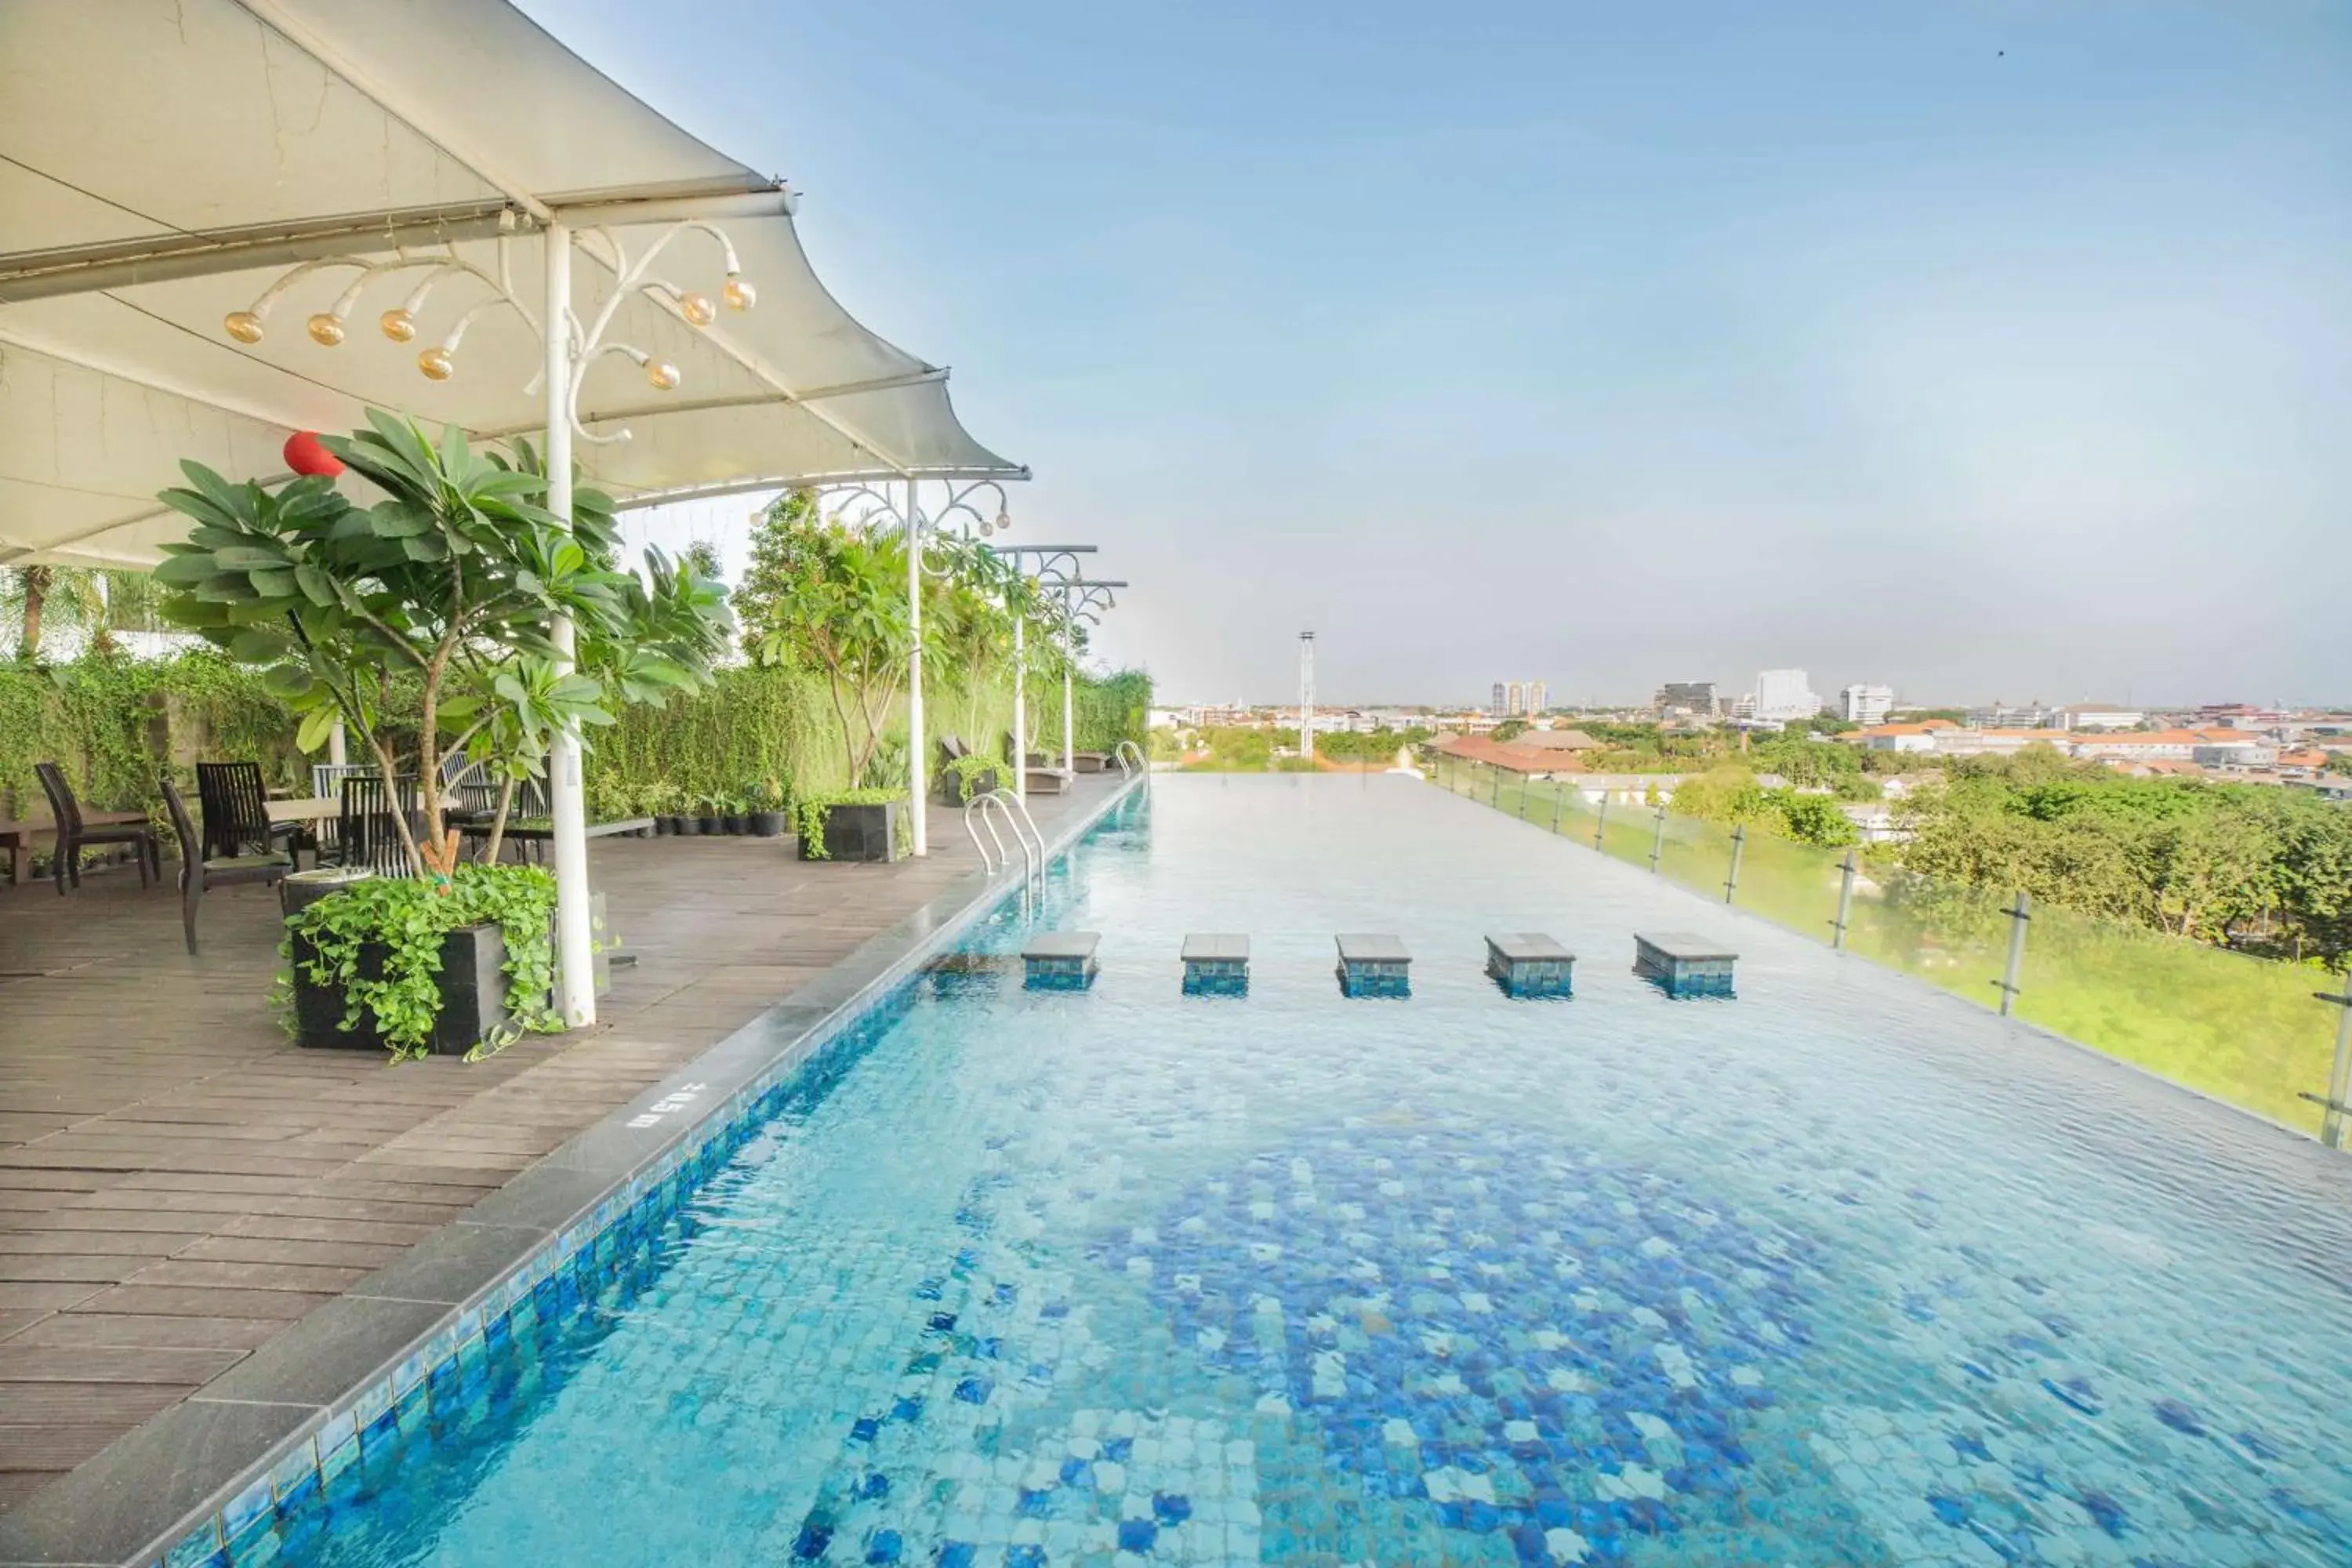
[{"x": 1136, "y": 1535}]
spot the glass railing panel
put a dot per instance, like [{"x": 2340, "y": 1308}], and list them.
[{"x": 2241, "y": 1029}]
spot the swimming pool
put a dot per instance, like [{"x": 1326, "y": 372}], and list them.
[{"x": 1841, "y": 1270}]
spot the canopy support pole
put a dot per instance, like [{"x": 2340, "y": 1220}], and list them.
[
  {"x": 917, "y": 825},
  {"x": 1069, "y": 661},
  {"x": 1020, "y": 758},
  {"x": 575, "y": 944}
]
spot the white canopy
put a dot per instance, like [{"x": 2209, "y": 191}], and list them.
[{"x": 164, "y": 162}]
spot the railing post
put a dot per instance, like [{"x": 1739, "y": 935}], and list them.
[
  {"x": 2337, "y": 1106},
  {"x": 2018, "y": 913},
  {"x": 1845, "y": 902},
  {"x": 1559, "y": 800},
  {"x": 1523, "y": 799},
  {"x": 1601, "y": 826},
  {"x": 1658, "y": 838},
  {"x": 1738, "y": 846},
  {"x": 1496, "y": 799}
]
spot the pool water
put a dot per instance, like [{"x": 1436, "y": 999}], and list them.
[{"x": 1839, "y": 1272}]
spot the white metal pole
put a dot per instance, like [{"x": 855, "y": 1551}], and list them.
[
  {"x": 1069, "y": 662},
  {"x": 1020, "y": 758},
  {"x": 575, "y": 944},
  {"x": 915, "y": 675},
  {"x": 1307, "y": 697},
  {"x": 338, "y": 747}
]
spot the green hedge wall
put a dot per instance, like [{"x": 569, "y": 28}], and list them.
[{"x": 116, "y": 723}]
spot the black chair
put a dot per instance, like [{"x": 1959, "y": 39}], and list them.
[
  {"x": 236, "y": 814},
  {"x": 77, "y": 828},
  {"x": 365, "y": 833},
  {"x": 200, "y": 870}
]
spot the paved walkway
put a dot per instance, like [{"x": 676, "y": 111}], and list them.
[{"x": 179, "y": 1183}]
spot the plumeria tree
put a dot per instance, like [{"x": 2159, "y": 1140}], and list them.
[
  {"x": 832, "y": 599},
  {"x": 455, "y": 579}
]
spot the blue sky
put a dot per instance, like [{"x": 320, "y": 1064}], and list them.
[{"x": 1986, "y": 350}]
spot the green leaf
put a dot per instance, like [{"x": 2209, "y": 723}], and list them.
[
  {"x": 317, "y": 725},
  {"x": 290, "y": 681},
  {"x": 316, "y": 585},
  {"x": 186, "y": 571},
  {"x": 256, "y": 647},
  {"x": 276, "y": 584}
]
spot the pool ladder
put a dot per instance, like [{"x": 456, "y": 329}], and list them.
[
  {"x": 1141, "y": 764},
  {"x": 984, "y": 812}
]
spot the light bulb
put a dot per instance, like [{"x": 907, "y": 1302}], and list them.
[
  {"x": 698, "y": 309},
  {"x": 1004, "y": 519},
  {"x": 245, "y": 326},
  {"x": 437, "y": 363},
  {"x": 398, "y": 325},
  {"x": 326, "y": 330},
  {"x": 739, "y": 295},
  {"x": 663, "y": 375}
]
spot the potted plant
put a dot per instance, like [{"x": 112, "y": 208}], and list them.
[
  {"x": 764, "y": 809},
  {"x": 709, "y": 817},
  {"x": 454, "y": 580},
  {"x": 399, "y": 964},
  {"x": 851, "y": 824},
  {"x": 662, "y": 799},
  {"x": 732, "y": 809},
  {"x": 969, "y": 777}
]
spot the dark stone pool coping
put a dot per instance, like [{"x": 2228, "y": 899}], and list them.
[{"x": 143, "y": 1496}]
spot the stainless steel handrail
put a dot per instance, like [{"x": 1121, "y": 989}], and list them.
[
  {"x": 1017, "y": 813},
  {"x": 972, "y": 833}
]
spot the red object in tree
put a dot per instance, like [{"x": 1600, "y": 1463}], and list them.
[{"x": 306, "y": 455}]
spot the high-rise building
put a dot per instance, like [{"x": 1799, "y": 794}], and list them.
[
  {"x": 1866, "y": 704},
  {"x": 1514, "y": 699},
  {"x": 1495, "y": 707},
  {"x": 1694, "y": 697},
  {"x": 1535, "y": 698},
  {"x": 1785, "y": 694}
]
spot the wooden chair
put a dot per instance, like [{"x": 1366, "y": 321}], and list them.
[
  {"x": 200, "y": 871},
  {"x": 365, "y": 833},
  {"x": 77, "y": 828},
  {"x": 236, "y": 814}
]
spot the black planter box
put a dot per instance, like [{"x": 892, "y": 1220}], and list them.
[
  {"x": 473, "y": 985},
  {"x": 953, "y": 789},
  {"x": 858, "y": 832},
  {"x": 765, "y": 823}
]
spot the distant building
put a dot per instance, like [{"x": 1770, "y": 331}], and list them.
[
  {"x": 1496, "y": 708},
  {"x": 2149, "y": 745},
  {"x": 2100, "y": 716},
  {"x": 2002, "y": 716},
  {"x": 1785, "y": 694},
  {"x": 1866, "y": 704},
  {"x": 2245, "y": 754},
  {"x": 1920, "y": 737},
  {"x": 1694, "y": 697},
  {"x": 1560, "y": 741},
  {"x": 1537, "y": 697}
]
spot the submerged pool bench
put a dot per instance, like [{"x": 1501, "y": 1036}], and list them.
[
  {"x": 1216, "y": 964},
  {"x": 1060, "y": 960},
  {"x": 1371, "y": 964},
  {"x": 1683, "y": 965},
  {"x": 1530, "y": 964}
]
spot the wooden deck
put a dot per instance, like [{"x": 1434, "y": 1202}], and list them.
[{"x": 179, "y": 1183}]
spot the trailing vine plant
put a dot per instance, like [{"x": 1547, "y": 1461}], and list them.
[{"x": 405, "y": 919}]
